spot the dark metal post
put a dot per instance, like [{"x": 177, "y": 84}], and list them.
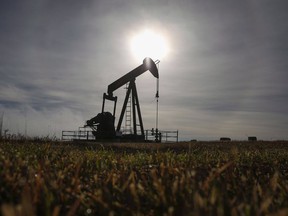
[
  {"x": 134, "y": 110},
  {"x": 157, "y": 102},
  {"x": 103, "y": 103},
  {"x": 134, "y": 92},
  {"x": 115, "y": 102}
]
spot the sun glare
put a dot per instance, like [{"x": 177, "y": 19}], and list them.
[{"x": 149, "y": 44}]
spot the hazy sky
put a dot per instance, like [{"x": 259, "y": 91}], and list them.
[{"x": 225, "y": 75}]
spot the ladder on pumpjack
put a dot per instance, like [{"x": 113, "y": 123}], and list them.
[{"x": 128, "y": 128}]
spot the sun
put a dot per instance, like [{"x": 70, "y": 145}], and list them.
[{"x": 149, "y": 44}]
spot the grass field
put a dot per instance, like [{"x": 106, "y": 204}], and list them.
[{"x": 189, "y": 178}]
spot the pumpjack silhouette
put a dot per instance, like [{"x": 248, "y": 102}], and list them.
[{"x": 102, "y": 124}]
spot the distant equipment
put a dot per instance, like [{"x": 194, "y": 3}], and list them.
[
  {"x": 252, "y": 138},
  {"x": 225, "y": 139},
  {"x": 102, "y": 124}
]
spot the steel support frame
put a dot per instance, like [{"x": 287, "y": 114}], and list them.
[{"x": 135, "y": 109}]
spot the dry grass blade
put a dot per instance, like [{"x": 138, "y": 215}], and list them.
[
  {"x": 8, "y": 210},
  {"x": 215, "y": 174},
  {"x": 74, "y": 208}
]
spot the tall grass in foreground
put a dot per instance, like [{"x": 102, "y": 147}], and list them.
[{"x": 186, "y": 179}]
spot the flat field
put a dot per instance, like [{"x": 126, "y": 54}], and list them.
[{"x": 187, "y": 178}]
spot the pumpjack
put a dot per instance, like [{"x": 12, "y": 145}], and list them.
[{"x": 102, "y": 124}]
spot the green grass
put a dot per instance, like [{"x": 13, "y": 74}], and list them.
[{"x": 200, "y": 178}]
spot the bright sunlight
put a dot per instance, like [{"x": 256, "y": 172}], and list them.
[{"x": 149, "y": 44}]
